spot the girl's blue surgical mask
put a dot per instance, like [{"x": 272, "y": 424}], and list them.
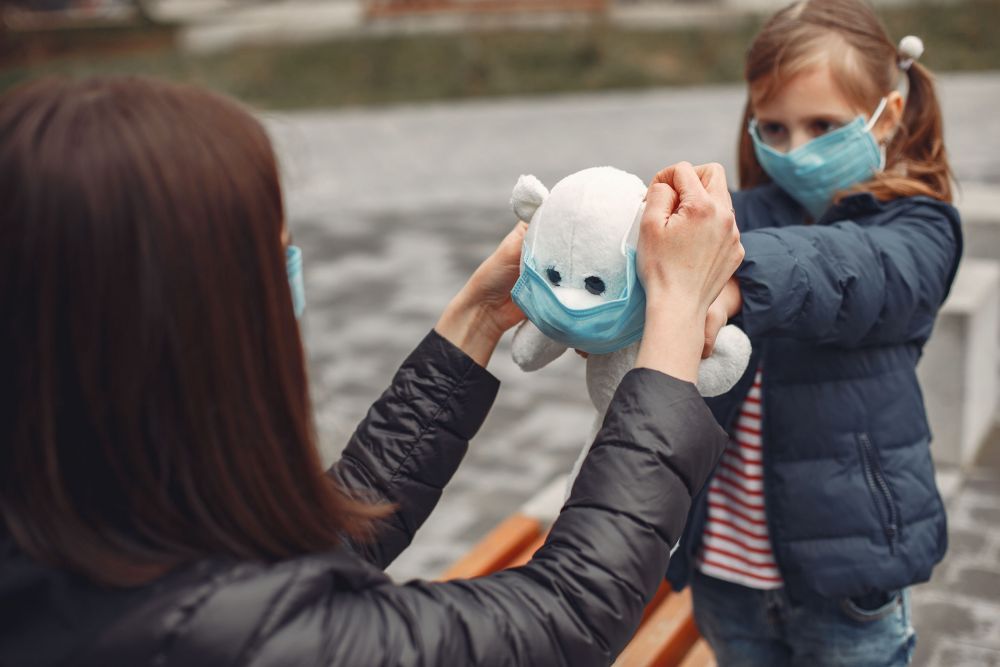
[
  {"x": 814, "y": 172},
  {"x": 293, "y": 265},
  {"x": 599, "y": 329}
]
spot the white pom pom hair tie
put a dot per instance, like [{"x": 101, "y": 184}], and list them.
[{"x": 911, "y": 48}]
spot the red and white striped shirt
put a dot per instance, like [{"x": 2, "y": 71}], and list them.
[{"x": 735, "y": 545}]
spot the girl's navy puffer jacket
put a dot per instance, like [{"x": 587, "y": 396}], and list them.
[{"x": 838, "y": 313}]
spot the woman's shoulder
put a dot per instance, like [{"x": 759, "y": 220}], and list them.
[{"x": 222, "y": 610}]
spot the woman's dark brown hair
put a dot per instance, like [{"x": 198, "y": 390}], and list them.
[
  {"x": 153, "y": 396},
  {"x": 848, "y": 35}
]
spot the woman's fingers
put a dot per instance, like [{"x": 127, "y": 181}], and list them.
[
  {"x": 661, "y": 201},
  {"x": 702, "y": 190},
  {"x": 518, "y": 232},
  {"x": 682, "y": 178},
  {"x": 694, "y": 181},
  {"x": 510, "y": 247},
  {"x": 697, "y": 252},
  {"x": 713, "y": 177},
  {"x": 714, "y": 322}
]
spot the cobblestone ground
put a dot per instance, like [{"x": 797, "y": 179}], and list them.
[
  {"x": 957, "y": 614},
  {"x": 394, "y": 208}
]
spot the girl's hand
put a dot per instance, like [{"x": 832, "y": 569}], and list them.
[
  {"x": 724, "y": 308},
  {"x": 688, "y": 249},
  {"x": 483, "y": 310}
]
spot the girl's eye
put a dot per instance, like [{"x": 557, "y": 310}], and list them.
[
  {"x": 594, "y": 285},
  {"x": 553, "y": 276},
  {"x": 772, "y": 134},
  {"x": 821, "y": 127}
]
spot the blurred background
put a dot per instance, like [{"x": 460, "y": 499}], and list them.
[
  {"x": 290, "y": 54},
  {"x": 402, "y": 126}
]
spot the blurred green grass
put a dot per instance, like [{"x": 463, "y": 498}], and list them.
[{"x": 387, "y": 70}]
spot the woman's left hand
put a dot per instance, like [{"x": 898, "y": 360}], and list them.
[{"x": 483, "y": 310}]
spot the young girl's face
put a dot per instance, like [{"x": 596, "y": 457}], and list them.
[{"x": 809, "y": 105}]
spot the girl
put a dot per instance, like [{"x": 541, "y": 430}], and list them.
[{"x": 823, "y": 509}]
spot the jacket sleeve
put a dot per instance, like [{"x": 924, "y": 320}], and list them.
[
  {"x": 413, "y": 438},
  {"x": 581, "y": 597},
  {"x": 850, "y": 285}
]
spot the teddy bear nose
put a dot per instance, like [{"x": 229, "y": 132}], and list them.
[
  {"x": 594, "y": 285},
  {"x": 554, "y": 277}
]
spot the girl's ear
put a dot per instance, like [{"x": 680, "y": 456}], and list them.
[
  {"x": 892, "y": 116},
  {"x": 528, "y": 195}
]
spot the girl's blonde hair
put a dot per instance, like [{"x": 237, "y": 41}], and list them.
[{"x": 865, "y": 64}]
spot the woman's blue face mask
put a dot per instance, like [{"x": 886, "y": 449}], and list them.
[
  {"x": 814, "y": 172},
  {"x": 598, "y": 329},
  {"x": 293, "y": 265}
]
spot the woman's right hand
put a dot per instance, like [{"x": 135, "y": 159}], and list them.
[
  {"x": 688, "y": 248},
  {"x": 688, "y": 241}
]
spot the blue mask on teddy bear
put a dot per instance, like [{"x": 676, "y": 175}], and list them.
[
  {"x": 579, "y": 287},
  {"x": 578, "y": 280},
  {"x": 599, "y": 328}
]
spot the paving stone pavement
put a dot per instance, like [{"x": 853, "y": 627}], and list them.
[
  {"x": 395, "y": 207},
  {"x": 957, "y": 614}
]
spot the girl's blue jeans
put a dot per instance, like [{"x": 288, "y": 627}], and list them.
[{"x": 749, "y": 627}]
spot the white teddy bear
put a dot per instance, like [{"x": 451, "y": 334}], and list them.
[{"x": 577, "y": 241}]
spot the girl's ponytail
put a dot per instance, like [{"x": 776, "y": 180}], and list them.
[{"x": 918, "y": 147}]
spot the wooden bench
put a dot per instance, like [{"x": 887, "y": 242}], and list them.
[{"x": 667, "y": 635}]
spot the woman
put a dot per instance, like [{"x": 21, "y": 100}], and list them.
[{"x": 161, "y": 493}]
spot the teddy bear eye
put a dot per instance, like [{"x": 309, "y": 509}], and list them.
[
  {"x": 594, "y": 285},
  {"x": 553, "y": 277}
]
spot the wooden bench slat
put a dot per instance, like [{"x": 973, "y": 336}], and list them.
[
  {"x": 700, "y": 655},
  {"x": 665, "y": 637},
  {"x": 661, "y": 594},
  {"x": 525, "y": 554},
  {"x": 495, "y": 551}
]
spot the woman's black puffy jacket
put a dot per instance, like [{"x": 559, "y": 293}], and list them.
[{"x": 577, "y": 602}]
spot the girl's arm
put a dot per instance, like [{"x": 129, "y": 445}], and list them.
[{"x": 849, "y": 285}]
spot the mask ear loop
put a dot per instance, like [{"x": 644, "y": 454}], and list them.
[
  {"x": 875, "y": 116},
  {"x": 631, "y": 238},
  {"x": 533, "y": 229},
  {"x": 753, "y": 129},
  {"x": 871, "y": 124}
]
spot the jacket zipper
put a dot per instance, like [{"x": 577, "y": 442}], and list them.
[{"x": 879, "y": 487}]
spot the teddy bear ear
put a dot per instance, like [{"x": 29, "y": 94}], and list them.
[{"x": 528, "y": 195}]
